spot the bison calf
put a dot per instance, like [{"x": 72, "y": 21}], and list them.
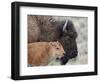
[{"x": 41, "y": 53}]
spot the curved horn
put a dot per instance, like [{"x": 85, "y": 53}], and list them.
[{"x": 65, "y": 25}]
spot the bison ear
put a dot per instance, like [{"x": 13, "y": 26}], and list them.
[{"x": 69, "y": 29}]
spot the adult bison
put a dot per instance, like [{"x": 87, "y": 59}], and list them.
[{"x": 52, "y": 28}]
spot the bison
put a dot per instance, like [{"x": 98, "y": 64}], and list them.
[{"x": 53, "y": 28}]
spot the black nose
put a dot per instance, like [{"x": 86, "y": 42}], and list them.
[
  {"x": 73, "y": 54},
  {"x": 64, "y": 59},
  {"x": 67, "y": 56}
]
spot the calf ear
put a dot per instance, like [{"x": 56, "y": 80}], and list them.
[
  {"x": 58, "y": 43},
  {"x": 51, "y": 43}
]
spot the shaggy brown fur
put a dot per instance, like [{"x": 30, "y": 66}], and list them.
[{"x": 33, "y": 29}]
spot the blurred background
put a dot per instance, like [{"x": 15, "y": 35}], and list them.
[{"x": 81, "y": 26}]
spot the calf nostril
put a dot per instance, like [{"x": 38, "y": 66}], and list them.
[{"x": 64, "y": 53}]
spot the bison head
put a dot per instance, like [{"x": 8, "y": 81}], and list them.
[{"x": 68, "y": 40}]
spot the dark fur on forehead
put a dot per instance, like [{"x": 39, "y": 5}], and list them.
[{"x": 70, "y": 30}]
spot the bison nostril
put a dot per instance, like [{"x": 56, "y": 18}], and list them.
[{"x": 73, "y": 54}]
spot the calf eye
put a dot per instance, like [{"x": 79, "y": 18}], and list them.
[{"x": 57, "y": 48}]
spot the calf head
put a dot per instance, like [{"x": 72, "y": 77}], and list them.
[{"x": 57, "y": 50}]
